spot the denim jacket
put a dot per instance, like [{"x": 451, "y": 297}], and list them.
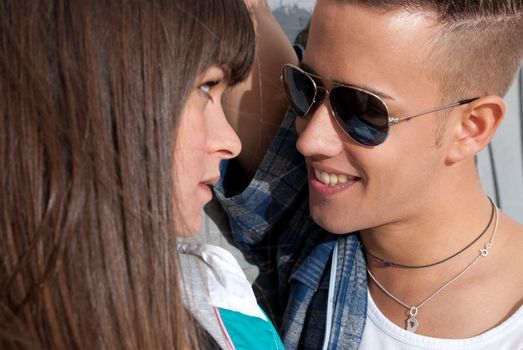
[{"x": 270, "y": 222}]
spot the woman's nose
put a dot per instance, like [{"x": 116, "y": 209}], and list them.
[{"x": 224, "y": 141}]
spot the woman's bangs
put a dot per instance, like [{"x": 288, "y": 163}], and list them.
[{"x": 230, "y": 38}]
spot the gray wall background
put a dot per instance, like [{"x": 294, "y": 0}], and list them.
[{"x": 501, "y": 165}]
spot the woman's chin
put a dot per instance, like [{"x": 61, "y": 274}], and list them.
[{"x": 190, "y": 226}]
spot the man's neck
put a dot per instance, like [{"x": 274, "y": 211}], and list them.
[{"x": 433, "y": 235}]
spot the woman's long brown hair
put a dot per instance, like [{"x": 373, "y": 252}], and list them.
[{"x": 90, "y": 92}]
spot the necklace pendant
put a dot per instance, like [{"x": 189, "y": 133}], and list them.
[{"x": 412, "y": 324}]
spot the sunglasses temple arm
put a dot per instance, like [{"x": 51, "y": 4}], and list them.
[{"x": 393, "y": 121}]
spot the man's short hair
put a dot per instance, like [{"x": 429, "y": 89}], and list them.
[{"x": 478, "y": 49}]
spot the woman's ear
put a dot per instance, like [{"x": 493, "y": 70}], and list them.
[{"x": 474, "y": 127}]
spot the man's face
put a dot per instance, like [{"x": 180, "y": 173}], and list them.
[{"x": 391, "y": 183}]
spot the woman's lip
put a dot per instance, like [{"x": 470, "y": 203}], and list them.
[
  {"x": 212, "y": 181},
  {"x": 206, "y": 189},
  {"x": 206, "y": 185}
]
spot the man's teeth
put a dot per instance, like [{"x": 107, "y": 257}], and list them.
[{"x": 332, "y": 179}]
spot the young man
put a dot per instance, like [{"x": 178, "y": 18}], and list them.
[{"x": 402, "y": 248}]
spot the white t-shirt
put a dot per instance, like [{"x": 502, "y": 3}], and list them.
[{"x": 380, "y": 333}]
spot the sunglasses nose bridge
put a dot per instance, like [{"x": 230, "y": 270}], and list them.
[
  {"x": 324, "y": 93},
  {"x": 317, "y": 99},
  {"x": 320, "y": 95}
]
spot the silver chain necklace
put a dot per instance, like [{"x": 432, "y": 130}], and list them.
[{"x": 412, "y": 323}]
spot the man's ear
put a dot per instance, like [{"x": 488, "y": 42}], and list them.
[{"x": 474, "y": 126}]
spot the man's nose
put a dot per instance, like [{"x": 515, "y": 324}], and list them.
[{"x": 318, "y": 133}]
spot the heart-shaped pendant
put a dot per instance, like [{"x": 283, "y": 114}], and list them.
[{"x": 412, "y": 324}]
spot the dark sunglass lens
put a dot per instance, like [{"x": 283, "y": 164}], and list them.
[
  {"x": 363, "y": 116},
  {"x": 299, "y": 89}
]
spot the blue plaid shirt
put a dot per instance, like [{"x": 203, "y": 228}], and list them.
[{"x": 270, "y": 223}]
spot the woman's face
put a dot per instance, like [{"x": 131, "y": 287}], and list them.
[{"x": 204, "y": 139}]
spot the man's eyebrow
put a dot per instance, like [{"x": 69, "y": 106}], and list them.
[{"x": 380, "y": 94}]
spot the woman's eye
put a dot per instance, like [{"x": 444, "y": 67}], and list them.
[{"x": 207, "y": 86}]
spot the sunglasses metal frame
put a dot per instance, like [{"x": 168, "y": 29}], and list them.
[{"x": 390, "y": 119}]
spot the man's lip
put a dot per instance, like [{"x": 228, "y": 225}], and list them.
[
  {"x": 329, "y": 170},
  {"x": 323, "y": 189}
]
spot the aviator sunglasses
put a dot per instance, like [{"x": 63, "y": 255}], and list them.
[{"x": 362, "y": 115}]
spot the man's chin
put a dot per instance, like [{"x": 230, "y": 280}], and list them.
[{"x": 328, "y": 223}]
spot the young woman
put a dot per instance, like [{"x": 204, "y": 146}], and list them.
[{"x": 111, "y": 131}]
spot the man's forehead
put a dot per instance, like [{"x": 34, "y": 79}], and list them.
[
  {"x": 383, "y": 51},
  {"x": 337, "y": 24},
  {"x": 396, "y": 15}
]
